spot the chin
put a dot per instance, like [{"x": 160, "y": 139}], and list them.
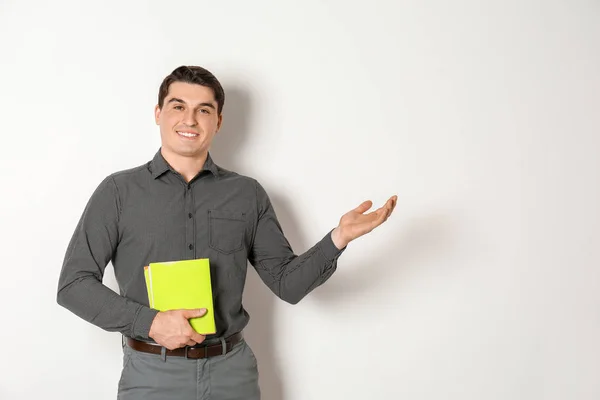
[{"x": 187, "y": 151}]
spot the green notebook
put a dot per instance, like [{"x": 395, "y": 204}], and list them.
[{"x": 184, "y": 284}]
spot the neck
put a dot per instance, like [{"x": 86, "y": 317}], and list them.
[{"x": 188, "y": 167}]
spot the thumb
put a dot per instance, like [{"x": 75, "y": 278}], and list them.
[
  {"x": 194, "y": 313},
  {"x": 365, "y": 205}
]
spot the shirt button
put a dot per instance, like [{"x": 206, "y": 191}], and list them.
[
  {"x": 190, "y": 215},
  {"x": 191, "y": 246}
]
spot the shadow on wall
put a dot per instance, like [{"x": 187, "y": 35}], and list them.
[{"x": 417, "y": 241}]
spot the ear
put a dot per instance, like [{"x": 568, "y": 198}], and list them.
[
  {"x": 156, "y": 114},
  {"x": 220, "y": 122}
]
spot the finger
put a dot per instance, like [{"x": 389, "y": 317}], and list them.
[
  {"x": 385, "y": 213},
  {"x": 390, "y": 207},
  {"x": 364, "y": 206},
  {"x": 375, "y": 223},
  {"x": 196, "y": 337},
  {"x": 392, "y": 200},
  {"x": 190, "y": 343},
  {"x": 194, "y": 313},
  {"x": 382, "y": 212},
  {"x": 376, "y": 219}
]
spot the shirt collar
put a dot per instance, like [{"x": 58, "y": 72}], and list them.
[{"x": 159, "y": 165}]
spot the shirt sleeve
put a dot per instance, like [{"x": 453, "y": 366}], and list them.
[
  {"x": 291, "y": 277},
  {"x": 80, "y": 287}
]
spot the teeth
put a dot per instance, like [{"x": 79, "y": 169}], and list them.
[{"x": 188, "y": 134}]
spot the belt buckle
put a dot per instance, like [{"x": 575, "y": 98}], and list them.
[{"x": 188, "y": 347}]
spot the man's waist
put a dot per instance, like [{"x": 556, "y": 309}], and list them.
[{"x": 208, "y": 348}]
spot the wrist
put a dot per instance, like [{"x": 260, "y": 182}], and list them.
[
  {"x": 153, "y": 325},
  {"x": 143, "y": 322},
  {"x": 338, "y": 239}
]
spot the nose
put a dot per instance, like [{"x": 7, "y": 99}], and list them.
[{"x": 189, "y": 118}]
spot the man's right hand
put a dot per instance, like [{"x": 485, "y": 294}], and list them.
[{"x": 172, "y": 329}]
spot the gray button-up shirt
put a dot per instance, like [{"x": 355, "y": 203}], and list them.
[{"x": 149, "y": 214}]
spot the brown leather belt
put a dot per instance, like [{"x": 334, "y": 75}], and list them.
[{"x": 195, "y": 352}]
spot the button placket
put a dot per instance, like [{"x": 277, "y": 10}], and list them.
[{"x": 190, "y": 228}]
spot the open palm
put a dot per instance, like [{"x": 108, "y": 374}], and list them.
[{"x": 356, "y": 223}]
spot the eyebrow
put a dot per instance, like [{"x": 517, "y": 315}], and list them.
[{"x": 176, "y": 100}]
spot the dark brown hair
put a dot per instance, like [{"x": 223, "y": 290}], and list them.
[{"x": 196, "y": 75}]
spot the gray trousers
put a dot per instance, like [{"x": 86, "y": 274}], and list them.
[{"x": 233, "y": 376}]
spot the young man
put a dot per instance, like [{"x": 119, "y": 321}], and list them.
[{"x": 181, "y": 205}]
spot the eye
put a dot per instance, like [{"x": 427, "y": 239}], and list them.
[
  {"x": 178, "y": 108},
  {"x": 204, "y": 111}
]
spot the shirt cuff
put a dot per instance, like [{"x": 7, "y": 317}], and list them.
[
  {"x": 143, "y": 322},
  {"x": 329, "y": 249}
]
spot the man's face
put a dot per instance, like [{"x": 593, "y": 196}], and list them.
[{"x": 188, "y": 119}]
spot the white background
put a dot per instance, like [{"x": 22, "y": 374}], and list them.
[{"x": 482, "y": 116}]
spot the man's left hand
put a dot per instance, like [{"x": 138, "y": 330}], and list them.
[{"x": 356, "y": 223}]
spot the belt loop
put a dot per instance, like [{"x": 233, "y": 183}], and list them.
[
  {"x": 223, "y": 345},
  {"x": 123, "y": 341},
  {"x": 163, "y": 353}
]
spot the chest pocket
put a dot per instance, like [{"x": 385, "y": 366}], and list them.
[{"x": 226, "y": 230}]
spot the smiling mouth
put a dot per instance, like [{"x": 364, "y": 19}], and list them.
[{"x": 188, "y": 135}]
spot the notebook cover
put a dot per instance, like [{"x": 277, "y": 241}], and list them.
[{"x": 184, "y": 284}]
